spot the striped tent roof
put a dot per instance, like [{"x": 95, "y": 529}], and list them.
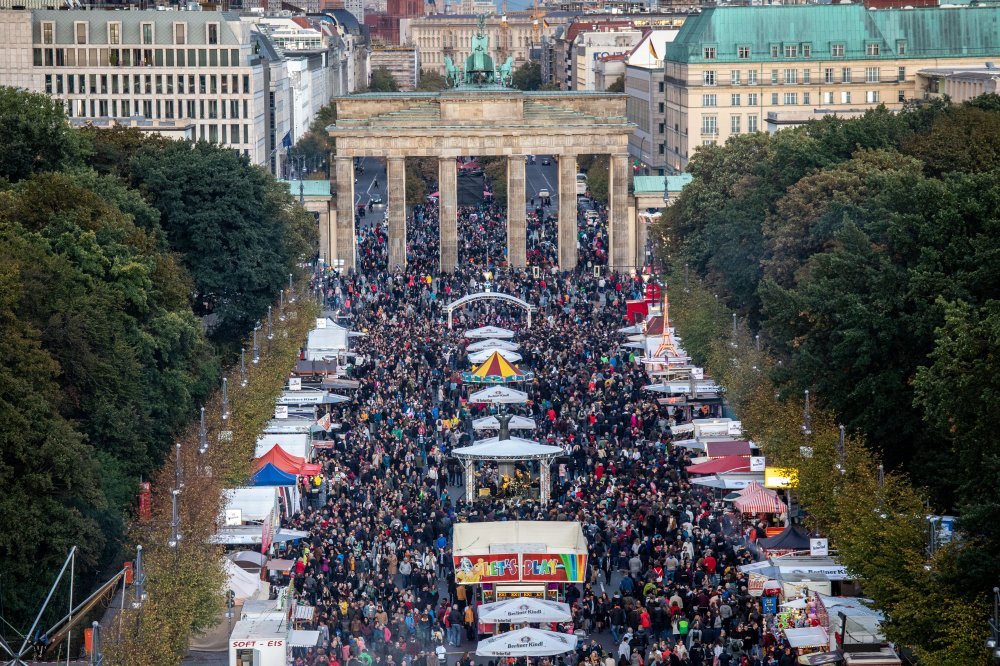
[
  {"x": 496, "y": 370},
  {"x": 760, "y": 501}
]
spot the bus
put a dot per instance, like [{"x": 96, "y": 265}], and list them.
[{"x": 581, "y": 184}]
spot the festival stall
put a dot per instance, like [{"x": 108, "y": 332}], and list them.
[
  {"x": 526, "y": 642},
  {"x": 487, "y": 355},
  {"x": 516, "y": 559},
  {"x": 495, "y": 368},
  {"x": 286, "y": 462},
  {"x": 487, "y": 332}
]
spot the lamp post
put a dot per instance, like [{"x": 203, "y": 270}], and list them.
[
  {"x": 225, "y": 398},
  {"x": 993, "y": 642},
  {"x": 175, "y": 520},
  {"x": 243, "y": 367},
  {"x": 270, "y": 322},
  {"x": 202, "y": 434},
  {"x": 256, "y": 348},
  {"x": 806, "y": 418},
  {"x": 291, "y": 290},
  {"x": 841, "y": 452},
  {"x": 281, "y": 305}
]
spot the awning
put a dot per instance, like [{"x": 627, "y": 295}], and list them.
[
  {"x": 303, "y": 638},
  {"x": 499, "y": 395},
  {"x": 718, "y": 449},
  {"x": 760, "y": 502},
  {"x": 514, "y": 448},
  {"x": 491, "y": 423},
  {"x": 269, "y": 475},
  {"x": 721, "y": 465},
  {"x": 280, "y": 565},
  {"x": 807, "y": 637},
  {"x": 493, "y": 343},
  {"x": 731, "y": 481},
  {"x": 819, "y": 658},
  {"x": 526, "y": 642},
  {"x": 524, "y": 609},
  {"x": 486, "y": 332}
]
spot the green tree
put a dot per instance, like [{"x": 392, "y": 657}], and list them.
[
  {"x": 382, "y": 80},
  {"x": 416, "y": 188},
  {"x": 431, "y": 81},
  {"x": 34, "y": 135},
  {"x": 495, "y": 169},
  {"x": 237, "y": 232},
  {"x": 618, "y": 86},
  {"x": 965, "y": 138},
  {"x": 528, "y": 76},
  {"x": 598, "y": 179}
]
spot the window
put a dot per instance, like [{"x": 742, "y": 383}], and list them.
[
  {"x": 752, "y": 99},
  {"x": 734, "y": 77},
  {"x": 735, "y": 99},
  {"x": 709, "y": 52},
  {"x": 147, "y": 33},
  {"x": 752, "y": 77},
  {"x": 901, "y": 96},
  {"x": 790, "y": 76},
  {"x": 661, "y": 128},
  {"x": 213, "y": 33},
  {"x": 872, "y": 97},
  {"x": 180, "y": 33},
  {"x": 774, "y": 76},
  {"x": 901, "y": 74},
  {"x": 791, "y": 98},
  {"x": 828, "y": 98},
  {"x": 837, "y": 50},
  {"x": 752, "y": 122},
  {"x": 734, "y": 124},
  {"x": 660, "y": 86},
  {"x": 48, "y": 32},
  {"x": 660, "y": 107},
  {"x": 709, "y": 126},
  {"x": 743, "y": 52},
  {"x": 80, "y": 31},
  {"x": 791, "y": 51},
  {"x": 807, "y": 50},
  {"x": 845, "y": 74},
  {"x": 708, "y": 100},
  {"x": 806, "y": 98},
  {"x": 871, "y": 49},
  {"x": 775, "y": 50},
  {"x": 774, "y": 99},
  {"x": 845, "y": 97},
  {"x": 901, "y": 47},
  {"x": 872, "y": 75},
  {"x": 828, "y": 75},
  {"x": 114, "y": 33},
  {"x": 806, "y": 76},
  {"x": 709, "y": 77}
]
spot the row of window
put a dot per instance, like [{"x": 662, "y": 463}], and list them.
[
  {"x": 147, "y": 32},
  {"x": 150, "y": 109},
  {"x": 837, "y": 50},
  {"x": 791, "y": 98},
  {"x": 101, "y": 57},
  {"x": 710, "y": 124},
  {"x": 792, "y": 76},
  {"x": 147, "y": 84}
]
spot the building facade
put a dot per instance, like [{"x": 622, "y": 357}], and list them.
[
  {"x": 190, "y": 68},
  {"x": 645, "y": 106},
  {"x": 733, "y": 70},
  {"x": 403, "y": 62}
]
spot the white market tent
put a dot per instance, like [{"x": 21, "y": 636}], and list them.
[
  {"x": 499, "y": 395},
  {"x": 514, "y": 448},
  {"x": 806, "y": 637},
  {"x": 255, "y": 503},
  {"x": 632, "y": 330},
  {"x": 296, "y": 444},
  {"x": 482, "y": 356},
  {"x": 487, "y": 332},
  {"x": 308, "y": 396},
  {"x": 493, "y": 343},
  {"x": 491, "y": 423},
  {"x": 524, "y": 609},
  {"x": 290, "y": 426},
  {"x": 730, "y": 481},
  {"x": 250, "y": 535},
  {"x": 543, "y": 535},
  {"x": 243, "y": 583},
  {"x": 526, "y": 642},
  {"x": 327, "y": 340}
]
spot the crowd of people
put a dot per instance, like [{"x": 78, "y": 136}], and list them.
[{"x": 662, "y": 588}]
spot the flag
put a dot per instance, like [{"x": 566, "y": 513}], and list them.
[
  {"x": 545, "y": 24},
  {"x": 286, "y": 142},
  {"x": 652, "y": 50}
]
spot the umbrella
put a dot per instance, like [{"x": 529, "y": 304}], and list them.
[
  {"x": 490, "y": 332},
  {"x": 526, "y": 642},
  {"x": 493, "y": 343},
  {"x": 495, "y": 368},
  {"x": 499, "y": 395},
  {"x": 631, "y": 330},
  {"x": 491, "y": 423},
  {"x": 485, "y": 355},
  {"x": 525, "y": 609}
]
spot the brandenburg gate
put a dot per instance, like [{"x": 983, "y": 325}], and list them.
[{"x": 482, "y": 116}]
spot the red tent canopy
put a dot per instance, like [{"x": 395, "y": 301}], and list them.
[
  {"x": 721, "y": 465},
  {"x": 286, "y": 462},
  {"x": 762, "y": 501},
  {"x": 727, "y": 448}
]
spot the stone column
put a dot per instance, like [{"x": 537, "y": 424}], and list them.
[
  {"x": 345, "y": 235},
  {"x": 517, "y": 225},
  {"x": 448, "y": 202},
  {"x": 567, "y": 212},
  {"x": 618, "y": 228},
  {"x": 396, "y": 201}
]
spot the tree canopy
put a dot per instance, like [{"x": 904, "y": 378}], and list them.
[
  {"x": 528, "y": 76},
  {"x": 382, "y": 80}
]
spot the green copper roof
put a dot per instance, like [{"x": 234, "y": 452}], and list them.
[
  {"x": 310, "y": 188},
  {"x": 655, "y": 184},
  {"x": 910, "y": 33}
]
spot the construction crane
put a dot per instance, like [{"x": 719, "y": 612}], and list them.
[
  {"x": 504, "y": 33},
  {"x": 537, "y": 19}
]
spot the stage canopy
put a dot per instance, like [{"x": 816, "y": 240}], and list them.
[
  {"x": 487, "y": 332},
  {"x": 487, "y": 355},
  {"x": 524, "y": 609},
  {"x": 491, "y": 344},
  {"x": 792, "y": 538},
  {"x": 496, "y": 369},
  {"x": 514, "y": 448},
  {"x": 499, "y": 395},
  {"x": 269, "y": 475},
  {"x": 491, "y": 423},
  {"x": 526, "y": 642}
]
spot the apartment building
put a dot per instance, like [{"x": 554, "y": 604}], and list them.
[
  {"x": 645, "y": 106},
  {"x": 733, "y": 70}
]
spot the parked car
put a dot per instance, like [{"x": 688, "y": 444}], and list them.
[
  {"x": 546, "y": 161},
  {"x": 544, "y": 194},
  {"x": 377, "y": 200}
]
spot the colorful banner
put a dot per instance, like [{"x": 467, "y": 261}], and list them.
[
  {"x": 516, "y": 568},
  {"x": 553, "y": 567}
]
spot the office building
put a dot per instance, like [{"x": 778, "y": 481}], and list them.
[
  {"x": 733, "y": 70},
  {"x": 645, "y": 105}
]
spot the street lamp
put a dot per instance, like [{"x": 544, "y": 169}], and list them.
[
  {"x": 225, "y": 398},
  {"x": 270, "y": 323},
  {"x": 256, "y": 348},
  {"x": 175, "y": 521},
  {"x": 202, "y": 434},
  {"x": 291, "y": 291},
  {"x": 243, "y": 367},
  {"x": 841, "y": 453},
  {"x": 806, "y": 418},
  {"x": 993, "y": 642}
]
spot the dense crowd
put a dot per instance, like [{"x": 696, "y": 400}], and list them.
[{"x": 662, "y": 586}]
